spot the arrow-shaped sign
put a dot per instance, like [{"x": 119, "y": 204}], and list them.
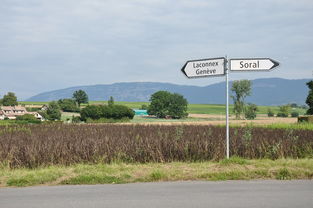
[
  {"x": 253, "y": 64},
  {"x": 204, "y": 68}
]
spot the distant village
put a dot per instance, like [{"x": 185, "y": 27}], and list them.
[{"x": 12, "y": 112}]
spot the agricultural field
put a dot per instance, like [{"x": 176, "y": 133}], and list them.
[
  {"x": 53, "y": 154},
  {"x": 32, "y": 146},
  {"x": 214, "y": 109},
  {"x": 147, "y": 149}
]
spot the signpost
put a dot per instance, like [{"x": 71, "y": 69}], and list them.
[
  {"x": 253, "y": 64},
  {"x": 204, "y": 68},
  {"x": 221, "y": 66}
]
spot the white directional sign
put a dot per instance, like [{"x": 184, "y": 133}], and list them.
[
  {"x": 253, "y": 64},
  {"x": 204, "y": 68}
]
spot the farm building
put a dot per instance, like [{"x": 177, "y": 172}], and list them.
[{"x": 11, "y": 112}]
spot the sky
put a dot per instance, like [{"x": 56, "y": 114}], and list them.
[{"x": 47, "y": 45}]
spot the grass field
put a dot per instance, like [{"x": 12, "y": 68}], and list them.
[
  {"x": 116, "y": 173},
  {"x": 192, "y": 108}
]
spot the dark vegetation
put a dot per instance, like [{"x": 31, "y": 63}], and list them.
[
  {"x": 27, "y": 118},
  {"x": 101, "y": 112},
  {"x": 80, "y": 96},
  {"x": 284, "y": 111},
  {"x": 9, "y": 99},
  {"x": 68, "y": 105},
  {"x": 165, "y": 104},
  {"x": 241, "y": 89},
  {"x": 41, "y": 145},
  {"x": 309, "y": 99},
  {"x": 52, "y": 113}
]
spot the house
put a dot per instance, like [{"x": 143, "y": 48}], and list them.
[
  {"x": 11, "y": 112},
  {"x": 1, "y": 115}
]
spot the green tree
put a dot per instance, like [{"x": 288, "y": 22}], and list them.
[
  {"x": 144, "y": 107},
  {"x": 160, "y": 102},
  {"x": 164, "y": 104},
  {"x": 309, "y": 99},
  {"x": 242, "y": 89},
  {"x": 250, "y": 112},
  {"x": 68, "y": 105},
  {"x": 9, "y": 99},
  {"x": 178, "y": 106},
  {"x": 53, "y": 112},
  {"x": 80, "y": 97},
  {"x": 111, "y": 101}
]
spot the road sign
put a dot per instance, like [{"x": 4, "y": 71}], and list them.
[
  {"x": 219, "y": 66},
  {"x": 204, "y": 68},
  {"x": 253, "y": 64}
]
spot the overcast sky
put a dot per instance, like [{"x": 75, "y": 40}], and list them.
[{"x": 47, "y": 45}]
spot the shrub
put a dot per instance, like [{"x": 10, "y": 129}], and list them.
[
  {"x": 270, "y": 113},
  {"x": 53, "y": 112},
  {"x": 91, "y": 111},
  {"x": 76, "y": 119},
  {"x": 68, "y": 105},
  {"x": 280, "y": 114},
  {"x": 283, "y": 111},
  {"x": 28, "y": 118},
  {"x": 144, "y": 107},
  {"x": 294, "y": 114},
  {"x": 250, "y": 112},
  {"x": 103, "y": 111}
]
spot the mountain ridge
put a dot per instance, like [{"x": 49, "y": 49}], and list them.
[{"x": 265, "y": 91}]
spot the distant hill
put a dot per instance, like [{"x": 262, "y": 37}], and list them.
[{"x": 270, "y": 91}]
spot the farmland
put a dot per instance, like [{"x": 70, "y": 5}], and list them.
[
  {"x": 216, "y": 109},
  {"x": 150, "y": 149},
  {"x": 56, "y": 144}
]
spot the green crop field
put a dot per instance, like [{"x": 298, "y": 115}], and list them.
[{"x": 192, "y": 108}]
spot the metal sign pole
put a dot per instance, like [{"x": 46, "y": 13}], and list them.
[{"x": 227, "y": 109}]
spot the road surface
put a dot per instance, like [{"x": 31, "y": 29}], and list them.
[{"x": 241, "y": 194}]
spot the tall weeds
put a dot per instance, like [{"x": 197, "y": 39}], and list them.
[{"x": 39, "y": 145}]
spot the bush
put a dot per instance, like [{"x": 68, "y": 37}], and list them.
[
  {"x": 76, "y": 119},
  {"x": 144, "y": 107},
  {"x": 103, "y": 111},
  {"x": 294, "y": 114},
  {"x": 280, "y": 114},
  {"x": 270, "y": 113},
  {"x": 27, "y": 118},
  {"x": 91, "y": 111},
  {"x": 68, "y": 105},
  {"x": 283, "y": 111},
  {"x": 53, "y": 111},
  {"x": 250, "y": 112}
]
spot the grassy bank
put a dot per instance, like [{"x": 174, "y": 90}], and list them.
[{"x": 232, "y": 169}]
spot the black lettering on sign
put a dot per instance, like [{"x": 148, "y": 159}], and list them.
[
  {"x": 205, "y": 64},
  {"x": 205, "y": 71},
  {"x": 249, "y": 65}
]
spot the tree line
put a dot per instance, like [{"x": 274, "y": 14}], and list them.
[{"x": 163, "y": 104}]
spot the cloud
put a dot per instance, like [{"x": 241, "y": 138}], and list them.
[{"x": 56, "y": 44}]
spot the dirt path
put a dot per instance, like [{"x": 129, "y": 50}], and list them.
[{"x": 220, "y": 120}]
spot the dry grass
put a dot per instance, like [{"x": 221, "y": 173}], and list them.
[{"x": 43, "y": 145}]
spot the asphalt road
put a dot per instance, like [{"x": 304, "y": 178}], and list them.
[{"x": 295, "y": 194}]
